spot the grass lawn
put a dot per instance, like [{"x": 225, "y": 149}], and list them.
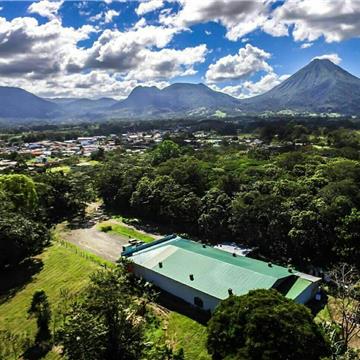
[
  {"x": 64, "y": 168},
  {"x": 188, "y": 334},
  {"x": 64, "y": 267},
  {"x": 123, "y": 230},
  {"x": 67, "y": 267}
]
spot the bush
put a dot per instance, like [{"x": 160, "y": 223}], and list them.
[{"x": 106, "y": 228}]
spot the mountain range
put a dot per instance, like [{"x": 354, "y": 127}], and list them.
[{"x": 319, "y": 87}]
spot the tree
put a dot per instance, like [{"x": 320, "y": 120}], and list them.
[
  {"x": 98, "y": 155},
  {"x": 215, "y": 206},
  {"x": 20, "y": 191},
  {"x": 107, "y": 323},
  {"x": 63, "y": 196},
  {"x": 264, "y": 325},
  {"x": 348, "y": 233},
  {"x": 346, "y": 280},
  {"x": 20, "y": 238},
  {"x": 165, "y": 151},
  {"x": 40, "y": 308}
]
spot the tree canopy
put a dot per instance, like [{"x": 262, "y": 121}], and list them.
[{"x": 264, "y": 325}]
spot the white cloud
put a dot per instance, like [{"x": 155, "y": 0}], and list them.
[
  {"x": 239, "y": 17},
  {"x": 249, "y": 88},
  {"x": 207, "y": 32},
  {"x": 247, "y": 61},
  {"x": 306, "y": 45},
  {"x": 45, "y": 8},
  {"x": 104, "y": 17},
  {"x": 109, "y": 15},
  {"x": 149, "y": 6},
  {"x": 168, "y": 63},
  {"x": 335, "y": 58},
  {"x": 36, "y": 50},
  {"x": 305, "y": 20},
  {"x": 334, "y": 20},
  {"x": 47, "y": 59}
]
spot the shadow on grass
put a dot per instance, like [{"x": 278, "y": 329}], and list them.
[
  {"x": 37, "y": 351},
  {"x": 15, "y": 279},
  {"x": 317, "y": 305},
  {"x": 174, "y": 303}
]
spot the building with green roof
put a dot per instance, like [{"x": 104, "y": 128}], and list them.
[{"x": 203, "y": 275}]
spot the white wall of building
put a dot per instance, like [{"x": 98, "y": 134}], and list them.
[{"x": 173, "y": 287}]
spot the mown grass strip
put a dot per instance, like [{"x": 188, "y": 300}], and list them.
[{"x": 124, "y": 230}]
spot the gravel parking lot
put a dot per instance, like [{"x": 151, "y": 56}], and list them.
[{"x": 107, "y": 246}]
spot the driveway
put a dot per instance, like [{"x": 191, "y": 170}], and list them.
[{"x": 106, "y": 246}]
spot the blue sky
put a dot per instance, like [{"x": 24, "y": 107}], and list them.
[{"x": 94, "y": 49}]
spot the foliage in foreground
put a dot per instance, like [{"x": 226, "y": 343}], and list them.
[{"x": 264, "y": 325}]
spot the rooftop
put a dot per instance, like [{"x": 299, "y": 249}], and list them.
[{"x": 214, "y": 271}]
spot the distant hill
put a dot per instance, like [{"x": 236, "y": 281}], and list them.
[
  {"x": 78, "y": 106},
  {"x": 179, "y": 98},
  {"x": 17, "y": 103},
  {"x": 321, "y": 86}
]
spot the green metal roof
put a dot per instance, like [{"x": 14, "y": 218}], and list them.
[
  {"x": 214, "y": 270},
  {"x": 299, "y": 286}
]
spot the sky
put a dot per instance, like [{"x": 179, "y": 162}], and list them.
[{"x": 106, "y": 48}]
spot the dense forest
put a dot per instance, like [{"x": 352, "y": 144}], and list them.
[{"x": 299, "y": 207}]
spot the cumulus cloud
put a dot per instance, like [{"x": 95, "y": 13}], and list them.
[
  {"x": 305, "y": 20},
  {"x": 334, "y": 20},
  {"x": 239, "y": 17},
  {"x": 335, "y": 58},
  {"x": 35, "y": 50},
  {"x": 168, "y": 63},
  {"x": 132, "y": 54},
  {"x": 246, "y": 62},
  {"x": 249, "y": 88},
  {"x": 48, "y": 60},
  {"x": 149, "y": 6},
  {"x": 104, "y": 17},
  {"x": 46, "y": 8}
]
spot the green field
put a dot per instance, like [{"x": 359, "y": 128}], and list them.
[
  {"x": 124, "y": 230},
  {"x": 188, "y": 334},
  {"x": 64, "y": 267},
  {"x": 67, "y": 267},
  {"x": 64, "y": 168}
]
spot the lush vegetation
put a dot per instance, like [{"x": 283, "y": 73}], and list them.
[
  {"x": 299, "y": 206},
  {"x": 294, "y": 200}
]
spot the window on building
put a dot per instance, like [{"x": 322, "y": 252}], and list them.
[{"x": 198, "y": 302}]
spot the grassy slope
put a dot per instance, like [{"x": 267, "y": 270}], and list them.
[
  {"x": 188, "y": 334},
  {"x": 63, "y": 269},
  {"x": 67, "y": 267},
  {"x": 124, "y": 230}
]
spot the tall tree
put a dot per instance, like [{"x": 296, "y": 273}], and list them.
[
  {"x": 106, "y": 324},
  {"x": 20, "y": 238}
]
